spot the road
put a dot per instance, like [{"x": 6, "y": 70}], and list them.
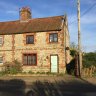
[{"x": 47, "y": 86}]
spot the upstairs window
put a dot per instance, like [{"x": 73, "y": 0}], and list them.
[
  {"x": 30, "y": 59},
  {"x": 30, "y": 39},
  {"x": 1, "y": 40},
  {"x": 53, "y": 37}
]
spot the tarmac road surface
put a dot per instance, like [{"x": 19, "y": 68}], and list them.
[{"x": 47, "y": 86}]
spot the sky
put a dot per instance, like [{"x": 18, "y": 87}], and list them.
[{"x": 9, "y": 10}]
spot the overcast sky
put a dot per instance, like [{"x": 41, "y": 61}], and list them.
[{"x": 9, "y": 10}]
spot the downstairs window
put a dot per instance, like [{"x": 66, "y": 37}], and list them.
[{"x": 30, "y": 59}]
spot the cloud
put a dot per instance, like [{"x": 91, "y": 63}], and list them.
[
  {"x": 88, "y": 34},
  {"x": 6, "y": 7},
  {"x": 12, "y": 12}
]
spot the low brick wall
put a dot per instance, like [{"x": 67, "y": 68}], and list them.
[{"x": 88, "y": 72}]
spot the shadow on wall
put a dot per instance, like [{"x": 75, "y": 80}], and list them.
[
  {"x": 70, "y": 68},
  {"x": 61, "y": 88},
  {"x": 14, "y": 87}
]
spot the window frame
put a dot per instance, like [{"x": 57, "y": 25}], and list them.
[
  {"x": 28, "y": 42},
  {"x": 1, "y": 43},
  {"x": 53, "y": 34},
  {"x": 29, "y": 54}
]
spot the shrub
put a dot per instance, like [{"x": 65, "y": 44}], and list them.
[
  {"x": 2, "y": 73},
  {"x": 89, "y": 59},
  {"x": 24, "y": 72},
  {"x": 48, "y": 73},
  {"x": 73, "y": 49},
  {"x": 30, "y": 72},
  {"x": 12, "y": 67},
  {"x": 73, "y": 53}
]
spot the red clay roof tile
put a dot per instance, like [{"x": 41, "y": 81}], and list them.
[{"x": 33, "y": 25}]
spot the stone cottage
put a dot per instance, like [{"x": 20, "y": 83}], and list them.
[{"x": 39, "y": 44}]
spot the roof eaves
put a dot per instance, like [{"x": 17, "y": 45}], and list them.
[{"x": 7, "y": 33}]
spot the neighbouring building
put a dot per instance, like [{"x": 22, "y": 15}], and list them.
[{"x": 40, "y": 44}]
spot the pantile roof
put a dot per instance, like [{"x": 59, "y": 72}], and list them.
[{"x": 33, "y": 25}]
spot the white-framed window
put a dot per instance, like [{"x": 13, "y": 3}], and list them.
[
  {"x": 53, "y": 37},
  {"x": 1, "y": 59},
  {"x": 1, "y": 40}
]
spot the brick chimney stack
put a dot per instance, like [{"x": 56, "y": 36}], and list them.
[{"x": 25, "y": 14}]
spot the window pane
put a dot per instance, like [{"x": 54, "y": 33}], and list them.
[
  {"x": 55, "y": 37},
  {"x": 51, "y": 38},
  {"x": 31, "y": 40},
  {"x": 25, "y": 59},
  {"x": 34, "y": 59},
  {"x": 28, "y": 61}
]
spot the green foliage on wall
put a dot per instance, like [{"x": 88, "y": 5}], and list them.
[{"x": 73, "y": 49}]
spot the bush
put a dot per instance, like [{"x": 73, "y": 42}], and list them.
[
  {"x": 73, "y": 53},
  {"x": 12, "y": 67},
  {"x": 2, "y": 73},
  {"x": 30, "y": 72},
  {"x": 89, "y": 59}
]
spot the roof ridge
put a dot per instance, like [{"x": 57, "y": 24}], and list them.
[
  {"x": 33, "y": 19},
  {"x": 53, "y": 16},
  {"x": 48, "y": 17}
]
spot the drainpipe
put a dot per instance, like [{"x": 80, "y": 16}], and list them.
[{"x": 64, "y": 30}]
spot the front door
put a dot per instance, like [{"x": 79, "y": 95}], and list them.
[{"x": 54, "y": 63}]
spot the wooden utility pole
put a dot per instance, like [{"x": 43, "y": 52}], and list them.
[{"x": 79, "y": 41}]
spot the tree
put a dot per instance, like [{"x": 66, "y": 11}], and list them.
[{"x": 73, "y": 49}]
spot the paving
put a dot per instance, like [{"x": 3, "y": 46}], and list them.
[{"x": 47, "y": 86}]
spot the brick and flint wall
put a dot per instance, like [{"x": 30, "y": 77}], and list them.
[{"x": 15, "y": 46}]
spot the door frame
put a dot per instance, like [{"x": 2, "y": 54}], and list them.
[{"x": 57, "y": 62}]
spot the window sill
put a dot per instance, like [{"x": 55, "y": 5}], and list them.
[
  {"x": 28, "y": 65},
  {"x": 29, "y": 44},
  {"x": 53, "y": 42}
]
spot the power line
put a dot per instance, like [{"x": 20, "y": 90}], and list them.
[
  {"x": 71, "y": 11},
  {"x": 89, "y": 9}
]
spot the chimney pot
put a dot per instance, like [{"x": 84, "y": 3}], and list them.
[{"x": 25, "y": 14}]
